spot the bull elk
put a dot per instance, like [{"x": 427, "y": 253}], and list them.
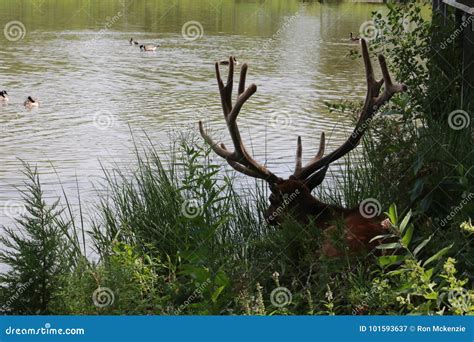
[{"x": 358, "y": 230}]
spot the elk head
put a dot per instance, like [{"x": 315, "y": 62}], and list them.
[{"x": 294, "y": 194}]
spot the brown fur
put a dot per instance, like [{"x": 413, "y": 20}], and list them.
[{"x": 357, "y": 230}]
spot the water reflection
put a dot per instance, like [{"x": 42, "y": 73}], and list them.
[{"x": 94, "y": 86}]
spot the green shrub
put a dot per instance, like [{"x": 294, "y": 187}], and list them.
[{"x": 36, "y": 251}]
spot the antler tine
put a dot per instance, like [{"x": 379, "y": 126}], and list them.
[
  {"x": 390, "y": 88},
  {"x": 226, "y": 90},
  {"x": 369, "y": 70},
  {"x": 299, "y": 152},
  {"x": 373, "y": 86},
  {"x": 240, "y": 159},
  {"x": 315, "y": 170},
  {"x": 219, "y": 150},
  {"x": 243, "y": 76}
]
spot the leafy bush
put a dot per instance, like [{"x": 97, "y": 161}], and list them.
[
  {"x": 36, "y": 252},
  {"x": 180, "y": 238}
]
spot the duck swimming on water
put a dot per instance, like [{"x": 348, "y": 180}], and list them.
[
  {"x": 354, "y": 39},
  {"x": 227, "y": 61},
  {"x": 31, "y": 103},
  {"x": 3, "y": 96},
  {"x": 148, "y": 47}
]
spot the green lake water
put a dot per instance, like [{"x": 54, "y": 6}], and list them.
[{"x": 94, "y": 87}]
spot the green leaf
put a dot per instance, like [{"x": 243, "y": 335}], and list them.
[
  {"x": 432, "y": 295},
  {"x": 406, "y": 239},
  {"x": 389, "y": 245},
  {"x": 392, "y": 214},
  {"x": 438, "y": 255},
  {"x": 405, "y": 221},
  {"x": 421, "y": 245},
  {"x": 221, "y": 278},
  {"x": 418, "y": 164},
  {"x": 417, "y": 189},
  {"x": 387, "y": 260},
  {"x": 217, "y": 293},
  {"x": 397, "y": 272},
  {"x": 426, "y": 202},
  {"x": 382, "y": 237},
  {"x": 428, "y": 274}
]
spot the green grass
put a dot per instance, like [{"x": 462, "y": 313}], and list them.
[{"x": 183, "y": 237}]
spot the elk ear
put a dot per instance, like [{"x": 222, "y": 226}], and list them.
[{"x": 316, "y": 178}]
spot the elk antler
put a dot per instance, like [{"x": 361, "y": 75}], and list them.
[
  {"x": 313, "y": 173},
  {"x": 240, "y": 159}
]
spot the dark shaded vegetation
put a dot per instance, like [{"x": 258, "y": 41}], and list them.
[{"x": 181, "y": 239}]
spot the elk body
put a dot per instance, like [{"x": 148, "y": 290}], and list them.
[{"x": 293, "y": 195}]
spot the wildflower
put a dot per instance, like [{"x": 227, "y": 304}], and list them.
[{"x": 467, "y": 226}]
